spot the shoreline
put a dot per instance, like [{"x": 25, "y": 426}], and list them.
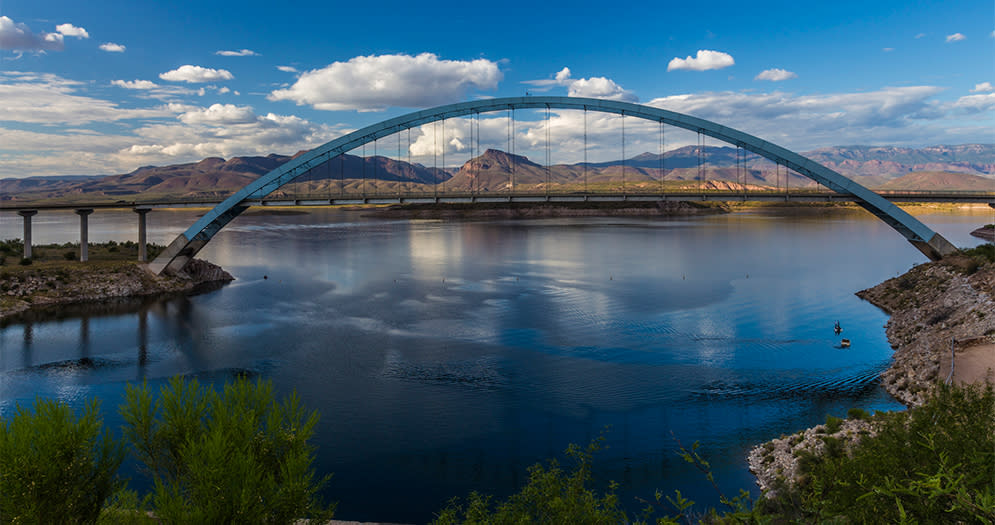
[
  {"x": 26, "y": 290},
  {"x": 942, "y": 316}
]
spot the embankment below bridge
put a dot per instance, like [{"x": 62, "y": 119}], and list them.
[
  {"x": 942, "y": 320},
  {"x": 29, "y": 289}
]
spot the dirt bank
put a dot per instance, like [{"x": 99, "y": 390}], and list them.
[{"x": 23, "y": 288}]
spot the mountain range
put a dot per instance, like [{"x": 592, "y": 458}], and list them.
[{"x": 965, "y": 167}]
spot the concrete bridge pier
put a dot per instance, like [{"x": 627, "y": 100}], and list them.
[
  {"x": 27, "y": 230},
  {"x": 84, "y": 252},
  {"x": 142, "y": 212}
]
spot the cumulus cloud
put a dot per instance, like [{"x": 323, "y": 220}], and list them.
[
  {"x": 19, "y": 37},
  {"x": 50, "y": 99},
  {"x": 135, "y": 84},
  {"x": 956, "y": 37},
  {"x": 287, "y": 69},
  {"x": 887, "y": 49},
  {"x": 239, "y": 53},
  {"x": 775, "y": 75},
  {"x": 111, "y": 47},
  {"x": 193, "y": 74},
  {"x": 594, "y": 87},
  {"x": 983, "y": 87},
  {"x": 376, "y": 82},
  {"x": 975, "y": 104},
  {"x": 704, "y": 60},
  {"x": 71, "y": 30},
  {"x": 220, "y": 115},
  {"x": 920, "y": 35}
]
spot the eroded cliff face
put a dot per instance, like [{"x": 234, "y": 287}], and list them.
[
  {"x": 23, "y": 288},
  {"x": 933, "y": 306}
]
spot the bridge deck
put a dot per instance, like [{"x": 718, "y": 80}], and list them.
[{"x": 484, "y": 197}]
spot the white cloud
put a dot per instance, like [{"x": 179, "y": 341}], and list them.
[
  {"x": 223, "y": 90},
  {"x": 920, "y": 35},
  {"x": 287, "y": 69},
  {"x": 135, "y": 84},
  {"x": 50, "y": 99},
  {"x": 893, "y": 115},
  {"x": 887, "y": 49},
  {"x": 956, "y": 37},
  {"x": 71, "y": 30},
  {"x": 240, "y": 53},
  {"x": 775, "y": 75},
  {"x": 704, "y": 60},
  {"x": 219, "y": 114},
  {"x": 594, "y": 87},
  {"x": 973, "y": 104},
  {"x": 19, "y": 37},
  {"x": 983, "y": 87},
  {"x": 192, "y": 74},
  {"x": 111, "y": 47},
  {"x": 375, "y": 82}
]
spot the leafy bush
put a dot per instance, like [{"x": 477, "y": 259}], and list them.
[
  {"x": 857, "y": 413},
  {"x": 232, "y": 457},
  {"x": 983, "y": 253},
  {"x": 25, "y": 261},
  {"x": 551, "y": 495},
  {"x": 70, "y": 255},
  {"x": 55, "y": 467},
  {"x": 931, "y": 464}
]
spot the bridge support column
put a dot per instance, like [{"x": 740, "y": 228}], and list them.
[
  {"x": 142, "y": 254},
  {"x": 84, "y": 252},
  {"x": 27, "y": 214}
]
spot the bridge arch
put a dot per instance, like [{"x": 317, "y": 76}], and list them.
[{"x": 175, "y": 257}]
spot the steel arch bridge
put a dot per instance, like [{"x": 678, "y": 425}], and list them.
[{"x": 176, "y": 256}]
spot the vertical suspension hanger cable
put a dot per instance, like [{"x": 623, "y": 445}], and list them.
[
  {"x": 363, "y": 187},
  {"x": 374, "y": 181},
  {"x": 547, "y": 150},
  {"x": 513, "y": 158},
  {"x": 342, "y": 174},
  {"x": 663, "y": 155},
  {"x": 398, "y": 160},
  {"x": 508, "y": 145},
  {"x": 435, "y": 162},
  {"x": 444, "y": 172},
  {"x": 660, "y": 159},
  {"x": 623, "y": 152},
  {"x": 585, "y": 149}
]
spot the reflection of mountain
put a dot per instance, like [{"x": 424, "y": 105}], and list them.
[{"x": 966, "y": 167}]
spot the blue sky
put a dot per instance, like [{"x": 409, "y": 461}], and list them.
[{"x": 108, "y": 86}]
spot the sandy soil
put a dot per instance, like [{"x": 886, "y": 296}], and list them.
[{"x": 971, "y": 365}]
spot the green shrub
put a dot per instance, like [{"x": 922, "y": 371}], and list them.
[
  {"x": 70, "y": 255},
  {"x": 25, "y": 261},
  {"x": 55, "y": 467},
  {"x": 833, "y": 424},
  {"x": 551, "y": 495},
  {"x": 931, "y": 464},
  {"x": 232, "y": 457},
  {"x": 857, "y": 413}
]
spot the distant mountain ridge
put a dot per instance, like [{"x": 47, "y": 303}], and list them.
[{"x": 968, "y": 166}]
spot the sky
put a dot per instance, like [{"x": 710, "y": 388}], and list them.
[{"x": 107, "y": 86}]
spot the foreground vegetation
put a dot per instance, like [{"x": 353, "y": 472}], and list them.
[
  {"x": 235, "y": 456},
  {"x": 239, "y": 456}
]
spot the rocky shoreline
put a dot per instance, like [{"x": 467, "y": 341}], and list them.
[
  {"x": 26, "y": 288},
  {"x": 937, "y": 310}
]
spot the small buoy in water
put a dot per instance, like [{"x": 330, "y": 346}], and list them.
[
  {"x": 684, "y": 277},
  {"x": 747, "y": 276},
  {"x": 611, "y": 277},
  {"x": 265, "y": 277}
]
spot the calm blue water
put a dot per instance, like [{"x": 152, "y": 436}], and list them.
[{"x": 446, "y": 357}]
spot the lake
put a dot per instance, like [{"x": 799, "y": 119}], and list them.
[{"x": 446, "y": 357}]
